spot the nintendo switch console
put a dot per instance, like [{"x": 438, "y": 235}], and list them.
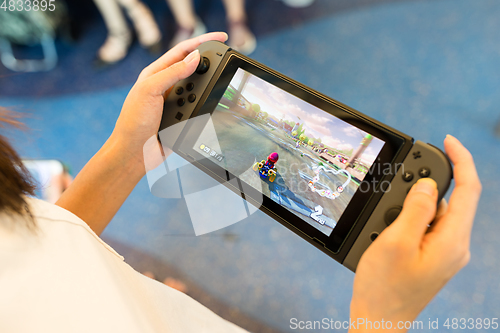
[{"x": 329, "y": 173}]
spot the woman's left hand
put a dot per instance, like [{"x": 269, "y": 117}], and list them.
[
  {"x": 108, "y": 178},
  {"x": 142, "y": 111}
]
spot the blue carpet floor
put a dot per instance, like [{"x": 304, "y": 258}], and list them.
[{"x": 427, "y": 68}]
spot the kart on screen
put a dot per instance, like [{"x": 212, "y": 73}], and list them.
[{"x": 267, "y": 168}]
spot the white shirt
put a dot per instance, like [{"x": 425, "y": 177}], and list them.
[{"x": 64, "y": 278}]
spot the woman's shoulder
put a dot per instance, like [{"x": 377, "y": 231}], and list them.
[{"x": 54, "y": 221}]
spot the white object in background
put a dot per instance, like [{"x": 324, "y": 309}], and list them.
[{"x": 298, "y": 3}]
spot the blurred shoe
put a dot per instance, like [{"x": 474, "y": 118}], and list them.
[
  {"x": 241, "y": 38},
  {"x": 147, "y": 30},
  {"x": 298, "y": 3},
  {"x": 183, "y": 33},
  {"x": 114, "y": 49}
]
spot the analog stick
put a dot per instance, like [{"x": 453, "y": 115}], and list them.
[{"x": 203, "y": 66}]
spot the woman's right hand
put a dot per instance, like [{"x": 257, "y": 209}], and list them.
[{"x": 408, "y": 263}]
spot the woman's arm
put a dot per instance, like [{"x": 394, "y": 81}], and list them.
[{"x": 107, "y": 179}]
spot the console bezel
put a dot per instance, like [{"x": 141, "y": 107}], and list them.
[{"x": 362, "y": 204}]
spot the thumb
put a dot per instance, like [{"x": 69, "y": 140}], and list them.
[
  {"x": 166, "y": 78},
  {"x": 419, "y": 210}
]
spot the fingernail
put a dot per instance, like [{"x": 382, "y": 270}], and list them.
[
  {"x": 425, "y": 185},
  {"x": 191, "y": 56},
  {"x": 227, "y": 36}
]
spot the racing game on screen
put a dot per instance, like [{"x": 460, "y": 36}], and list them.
[{"x": 301, "y": 157}]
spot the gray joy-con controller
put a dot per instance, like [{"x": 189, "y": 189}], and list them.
[
  {"x": 187, "y": 94},
  {"x": 423, "y": 160}
]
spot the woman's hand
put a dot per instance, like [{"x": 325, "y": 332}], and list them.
[
  {"x": 108, "y": 178},
  {"x": 409, "y": 262},
  {"x": 142, "y": 111}
]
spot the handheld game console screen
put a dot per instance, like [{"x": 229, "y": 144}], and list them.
[{"x": 299, "y": 156}]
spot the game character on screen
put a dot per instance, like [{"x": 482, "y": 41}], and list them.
[{"x": 267, "y": 168}]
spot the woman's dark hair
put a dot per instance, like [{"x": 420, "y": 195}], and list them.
[{"x": 15, "y": 180}]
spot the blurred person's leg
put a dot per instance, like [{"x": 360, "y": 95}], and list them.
[
  {"x": 240, "y": 37},
  {"x": 119, "y": 37},
  {"x": 188, "y": 25},
  {"x": 148, "y": 33}
]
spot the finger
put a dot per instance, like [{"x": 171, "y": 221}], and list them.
[
  {"x": 160, "y": 82},
  {"x": 179, "y": 52},
  {"x": 419, "y": 209},
  {"x": 465, "y": 196}
]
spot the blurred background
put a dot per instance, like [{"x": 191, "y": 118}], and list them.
[{"x": 425, "y": 67}]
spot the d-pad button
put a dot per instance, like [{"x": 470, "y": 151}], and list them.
[
  {"x": 417, "y": 155},
  {"x": 424, "y": 172}
]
